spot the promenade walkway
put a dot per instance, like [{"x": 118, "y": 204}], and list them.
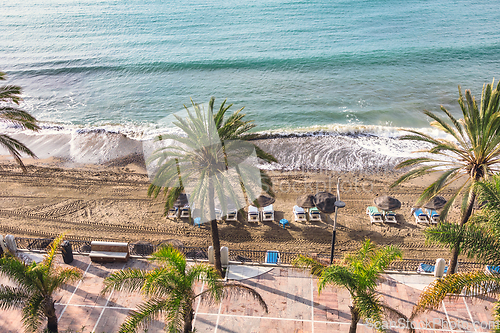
[{"x": 291, "y": 295}]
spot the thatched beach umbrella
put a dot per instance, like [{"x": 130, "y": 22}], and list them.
[
  {"x": 264, "y": 200},
  {"x": 181, "y": 201},
  {"x": 305, "y": 201},
  {"x": 436, "y": 203},
  {"x": 325, "y": 202},
  {"x": 386, "y": 202}
]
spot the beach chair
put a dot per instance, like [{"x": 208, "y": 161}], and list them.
[
  {"x": 299, "y": 214},
  {"x": 268, "y": 213},
  {"x": 432, "y": 215},
  {"x": 492, "y": 270},
  {"x": 420, "y": 216},
  {"x": 314, "y": 214},
  {"x": 232, "y": 214},
  {"x": 218, "y": 214},
  {"x": 173, "y": 213},
  {"x": 184, "y": 212},
  {"x": 426, "y": 268},
  {"x": 375, "y": 215},
  {"x": 390, "y": 217},
  {"x": 272, "y": 257},
  {"x": 253, "y": 214}
]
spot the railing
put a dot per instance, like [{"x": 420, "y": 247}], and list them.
[{"x": 145, "y": 249}]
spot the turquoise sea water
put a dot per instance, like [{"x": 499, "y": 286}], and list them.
[{"x": 341, "y": 66}]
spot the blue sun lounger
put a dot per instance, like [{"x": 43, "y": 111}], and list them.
[
  {"x": 272, "y": 257},
  {"x": 433, "y": 215},
  {"x": 492, "y": 269},
  {"x": 420, "y": 216},
  {"x": 426, "y": 268}
]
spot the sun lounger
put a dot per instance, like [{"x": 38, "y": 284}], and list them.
[
  {"x": 314, "y": 214},
  {"x": 492, "y": 269},
  {"x": 390, "y": 217},
  {"x": 426, "y": 268},
  {"x": 375, "y": 215},
  {"x": 432, "y": 215},
  {"x": 272, "y": 257},
  {"x": 420, "y": 216},
  {"x": 232, "y": 214},
  {"x": 268, "y": 213},
  {"x": 253, "y": 214},
  {"x": 218, "y": 214},
  {"x": 184, "y": 212},
  {"x": 173, "y": 213},
  {"x": 299, "y": 214}
]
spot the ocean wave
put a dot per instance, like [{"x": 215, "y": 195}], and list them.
[{"x": 333, "y": 147}]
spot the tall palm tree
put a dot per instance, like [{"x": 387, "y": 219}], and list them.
[
  {"x": 9, "y": 99},
  {"x": 170, "y": 290},
  {"x": 208, "y": 156},
  {"x": 359, "y": 274},
  {"x": 471, "y": 155},
  {"x": 36, "y": 284},
  {"x": 480, "y": 239}
]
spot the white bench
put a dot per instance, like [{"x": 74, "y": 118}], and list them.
[{"x": 109, "y": 251}]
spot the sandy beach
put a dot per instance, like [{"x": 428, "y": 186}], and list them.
[{"x": 109, "y": 202}]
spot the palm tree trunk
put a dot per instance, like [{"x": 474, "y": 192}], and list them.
[
  {"x": 456, "y": 248},
  {"x": 188, "y": 320},
  {"x": 354, "y": 319},
  {"x": 215, "y": 228},
  {"x": 50, "y": 312}
]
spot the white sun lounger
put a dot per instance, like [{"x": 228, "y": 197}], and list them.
[
  {"x": 232, "y": 214},
  {"x": 314, "y": 214},
  {"x": 268, "y": 213},
  {"x": 374, "y": 214},
  {"x": 299, "y": 214},
  {"x": 184, "y": 214},
  {"x": 433, "y": 215},
  {"x": 253, "y": 214},
  {"x": 173, "y": 213},
  {"x": 390, "y": 217},
  {"x": 420, "y": 216}
]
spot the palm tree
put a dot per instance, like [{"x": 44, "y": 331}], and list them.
[
  {"x": 209, "y": 158},
  {"x": 170, "y": 290},
  {"x": 480, "y": 240},
  {"x": 9, "y": 97},
  {"x": 36, "y": 283},
  {"x": 359, "y": 274},
  {"x": 472, "y": 155}
]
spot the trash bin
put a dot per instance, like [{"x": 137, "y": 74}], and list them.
[{"x": 67, "y": 252}]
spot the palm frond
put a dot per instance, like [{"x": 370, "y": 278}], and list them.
[
  {"x": 15, "y": 148},
  {"x": 145, "y": 314},
  {"x": 315, "y": 266},
  {"x": 12, "y": 297},
  {"x": 234, "y": 289},
  {"x": 33, "y": 314},
  {"x": 471, "y": 284},
  {"x": 18, "y": 117},
  {"x": 127, "y": 280}
]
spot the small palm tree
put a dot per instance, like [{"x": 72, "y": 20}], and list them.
[
  {"x": 36, "y": 283},
  {"x": 170, "y": 290},
  {"x": 480, "y": 240},
  {"x": 204, "y": 158},
  {"x": 359, "y": 274},
  {"x": 472, "y": 155},
  {"x": 9, "y": 99}
]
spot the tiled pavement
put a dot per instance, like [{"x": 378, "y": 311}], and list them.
[{"x": 291, "y": 295}]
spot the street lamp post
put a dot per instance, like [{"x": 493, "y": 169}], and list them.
[{"x": 338, "y": 204}]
